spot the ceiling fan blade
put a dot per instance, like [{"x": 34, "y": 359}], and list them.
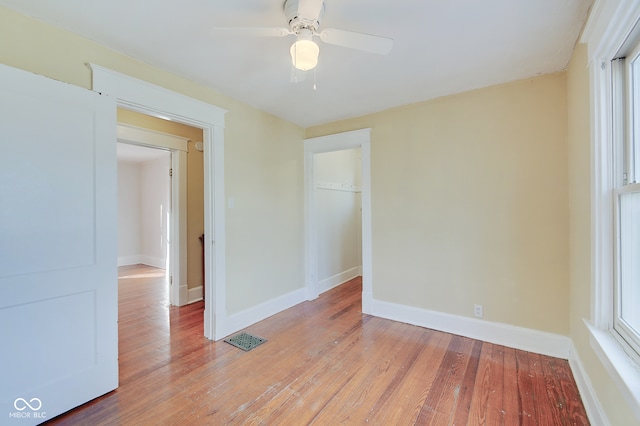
[
  {"x": 366, "y": 42},
  {"x": 310, "y": 9},
  {"x": 254, "y": 31}
]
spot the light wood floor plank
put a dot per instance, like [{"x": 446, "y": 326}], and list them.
[
  {"x": 414, "y": 389},
  {"x": 324, "y": 363}
]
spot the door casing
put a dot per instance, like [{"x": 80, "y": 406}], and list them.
[
  {"x": 337, "y": 142},
  {"x": 141, "y": 96}
]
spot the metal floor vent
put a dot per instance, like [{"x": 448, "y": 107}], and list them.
[{"x": 245, "y": 341}]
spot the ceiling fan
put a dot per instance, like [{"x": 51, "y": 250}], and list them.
[{"x": 304, "y": 21}]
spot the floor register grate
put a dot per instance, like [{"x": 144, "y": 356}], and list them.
[{"x": 245, "y": 341}]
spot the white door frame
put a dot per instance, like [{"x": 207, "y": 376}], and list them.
[
  {"x": 147, "y": 98},
  {"x": 177, "y": 146},
  {"x": 337, "y": 142}
]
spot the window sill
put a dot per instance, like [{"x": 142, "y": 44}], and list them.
[{"x": 624, "y": 371}]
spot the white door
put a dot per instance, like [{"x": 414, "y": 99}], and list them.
[{"x": 58, "y": 247}]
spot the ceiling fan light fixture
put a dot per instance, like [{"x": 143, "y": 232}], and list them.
[{"x": 304, "y": 52}]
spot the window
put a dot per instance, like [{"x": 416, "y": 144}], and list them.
[
  {"x": 625, "y": 75},
  {"x": 612, "y": 35}
]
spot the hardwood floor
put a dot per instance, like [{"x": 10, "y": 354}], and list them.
[{"x": 324, "y": 363}]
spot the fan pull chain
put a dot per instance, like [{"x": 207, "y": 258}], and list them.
[{"x": 314, "y": 79}]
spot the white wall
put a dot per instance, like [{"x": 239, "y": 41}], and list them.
[
  {"x": 143, "y": 206},
  {"x": 129, "y": 236},
  {"x": 338, "y": 179},
  {"x": 154, "y": 208}
]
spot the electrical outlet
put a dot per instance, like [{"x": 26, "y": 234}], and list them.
[{"x": 477, "y": 311}]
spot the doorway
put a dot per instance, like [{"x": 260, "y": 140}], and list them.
[
  {"x": 338, "y": 194},
  {"x": 146, "y": 98},
  {"x": 144, "y": 207},
  {"x": 331, "y": 143},
  {"x": 187, "y": 223}
]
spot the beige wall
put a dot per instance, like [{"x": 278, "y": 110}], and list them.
[
  {"x": 578, "y": 91},
  {"x": 470, "y": 203},
  {"x": 263, "y": 157},
  {"x": 265, "y": 232},
  {"x": 195, "y": 185}
]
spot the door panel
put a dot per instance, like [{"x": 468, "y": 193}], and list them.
[
  {"x": 58, "y": 253},
  {"x": 42, "y": 189}
]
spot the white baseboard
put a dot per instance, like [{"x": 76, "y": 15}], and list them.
[
  {"x": 592, "y": 405},
  {"x": 158, "y": 262},
  {"x": 243, "y": 319},
  {"x": 334, "y": 281},
  {"x": 502, "y": 334},
  {"x": 129, "y": 260},
  {"x": 141, "y": 259},
  {"x": 195, "y": 294},
  {"x": 183, "y": 294}
]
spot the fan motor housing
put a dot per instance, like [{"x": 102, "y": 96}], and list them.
[{"x": 296, "y": 23}]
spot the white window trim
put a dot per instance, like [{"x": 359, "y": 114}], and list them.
[{"x": 610, "y": 22}]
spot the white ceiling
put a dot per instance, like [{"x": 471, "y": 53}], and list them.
[{"x": 441, "y": 47}]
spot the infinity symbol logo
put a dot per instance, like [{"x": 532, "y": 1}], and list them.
[{"x": 21, "y": 404}]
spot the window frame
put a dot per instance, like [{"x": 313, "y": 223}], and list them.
[
  {"x": 610, "y": 25},
  {"x": 625, "y": 135}
]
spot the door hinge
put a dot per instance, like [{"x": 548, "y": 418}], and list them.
[
  {"x": 171, "y": 280},
  {"x": 170, "y": 172}
]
